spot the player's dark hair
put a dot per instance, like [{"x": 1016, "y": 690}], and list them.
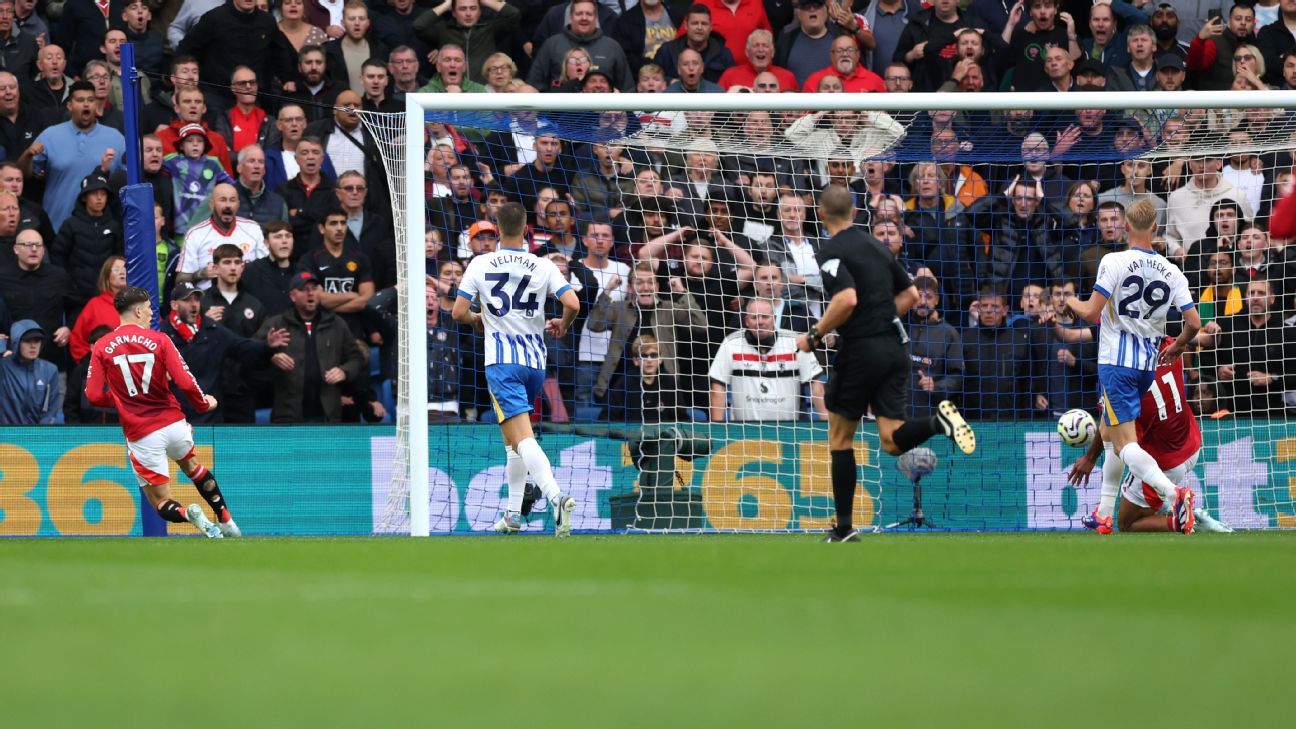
[
  {"x": 511, "y": 219},
  {"x": 129, "y": 298},
  {"x": 836, "y": 203}
]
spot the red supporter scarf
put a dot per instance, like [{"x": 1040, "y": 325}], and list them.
[{"x": 186, "y": 331}]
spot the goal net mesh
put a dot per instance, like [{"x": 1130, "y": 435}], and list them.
[{"x": 678, "y": 401}]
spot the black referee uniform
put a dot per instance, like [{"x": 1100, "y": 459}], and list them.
[{"x": 872, "y": 365}]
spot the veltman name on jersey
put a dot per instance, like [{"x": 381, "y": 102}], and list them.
[
  {"x": 121, "y": 339},
  {"x": 504, "y": 259}
]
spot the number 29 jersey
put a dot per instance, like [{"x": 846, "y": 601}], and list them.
[
  {"x": 512, "y": 286},
  {"x": 1140, "y": 287}
]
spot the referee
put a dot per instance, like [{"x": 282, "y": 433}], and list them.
[{"x": 869, "y": 293}]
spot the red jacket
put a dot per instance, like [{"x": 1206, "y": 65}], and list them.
[{"x": 860, "y": 81}]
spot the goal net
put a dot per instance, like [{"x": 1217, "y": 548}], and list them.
[{"x": 688, "y": 224}]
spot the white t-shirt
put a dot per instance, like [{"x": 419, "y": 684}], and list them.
[
  {"x": 1141, "y": 286},
  {"x": 512, "y": 286},
  {"x": 203, "y": 238},
  {"x": 763, "y": 385},
  {"x": 593, "y": 346},
  {"x": 344, "y": 153}
]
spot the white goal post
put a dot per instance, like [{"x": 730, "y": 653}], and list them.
[{"x": 408, "y": 190}]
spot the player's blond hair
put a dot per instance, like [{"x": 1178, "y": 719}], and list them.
[{"x": 1141, "y": 216}]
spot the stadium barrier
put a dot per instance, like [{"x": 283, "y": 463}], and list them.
[{"x": 334, "y": 480}]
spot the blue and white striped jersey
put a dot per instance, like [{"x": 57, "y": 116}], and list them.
[
  {"x": 512, "y": 286},
  {"x": 1140, "y": 287}
]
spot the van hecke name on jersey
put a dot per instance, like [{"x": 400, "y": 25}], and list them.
[
  {"x": 1156, "y": 264},
  {"x": 130, "y": 339},
  {"x": 525, "y": 260}
]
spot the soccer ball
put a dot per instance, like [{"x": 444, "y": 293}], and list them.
[{"x": 1077, "y": 428}]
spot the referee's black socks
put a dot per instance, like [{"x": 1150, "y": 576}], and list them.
[
  {"x": 843, "y": 486},
  {"x": 916, "y": 432}
]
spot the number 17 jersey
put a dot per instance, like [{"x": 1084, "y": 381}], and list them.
[
  {"x": 1140, "y": 287},
  {"x": 512, "y": 286}
]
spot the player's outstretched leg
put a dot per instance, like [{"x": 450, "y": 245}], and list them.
[
  {"x": 194, "y": 515},
  {"x": 537, "y": 464},
  {"x": 205, "y": 481},
  {"x": 947, "y": 421},
  {"x": 170, "y": 510}
]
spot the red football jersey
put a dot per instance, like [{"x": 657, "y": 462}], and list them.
[
  {"x": 1166, "y": 426},
  {"x": 138, "y": 366}
]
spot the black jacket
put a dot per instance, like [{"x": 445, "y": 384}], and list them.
[
  {"x": 269, "y": 284},
  {"x": 629, "y": 32},
  {"x": 225, "y": 38},
  {"x": 205, "y": 353},
  {"x": 40, "y": 295},
  {"x": 17, "y": 135},
  {"x": 334, "y": 346},
  {"x": 999, "y": 374},
  {"x": 305, "y": 211},
  {"x": 81, "y": 29},
  {"x": 335, "y": 59},
  {"x": 82, "y": 245}
]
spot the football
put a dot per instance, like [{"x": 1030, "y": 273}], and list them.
[{"x": 1077, "y": 428}]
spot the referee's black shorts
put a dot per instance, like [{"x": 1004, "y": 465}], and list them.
[{"x": 872, "y": 372}]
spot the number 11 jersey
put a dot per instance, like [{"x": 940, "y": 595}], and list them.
[
  {"x": 1140, "y": 287},
  {"x": 512, "y": 286}
]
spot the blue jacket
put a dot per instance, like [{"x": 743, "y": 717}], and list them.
[{"x": 29, "y": 388}]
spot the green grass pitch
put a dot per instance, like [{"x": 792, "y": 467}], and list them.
[{"x": 1011, "y": 630}]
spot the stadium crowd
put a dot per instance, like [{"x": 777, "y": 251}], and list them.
[{"x": 690, "y": 237}]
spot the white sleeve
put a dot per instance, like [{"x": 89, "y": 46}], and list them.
[
  {"x": 808, "y": 365},
  {"x": 1180, "y": 293},
  {"x": 189, "y": 262},
  {"x": 722, "y": 365},
  {"x": 469, "y": 285},
  {"x": 1106, "y": 282},
  {"x": 259, "y": 249},
  {"x": 553, "y": 275}
]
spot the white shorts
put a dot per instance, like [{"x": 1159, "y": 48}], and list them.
[
  {"x": 149, "y": 455},
  {"x": 1140, "y": 494}
]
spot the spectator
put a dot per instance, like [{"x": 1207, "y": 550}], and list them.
[
  {"x": 347, "y": 145},
  {"x": 1252, "y": 354},
  {"x": 452, "y": 73},
  {"x": 320, "y": 356},
  {"x": 346, "y": 275},
  {"x": 790, "y": 314},
  {"x": 49, "y": 90},
  {"x": 345, "y": 56},
  {"x": 294, "y": 26},
  {"x": 30, "y": 22},
  {"x": 315, "y": 87},
  {"x": 281, "y": 155},
  {"x": 928, "y": 44},
  {"x": 1111, "y": 238},
  {"x": 395, "y": 29},
  {"x": 310, "y": 193},
  {"x": 1135, "y": 174},
  {"x": 17, "y": 49},
  {"x": 19, "y": 122},
  {"x": 1219, "y": 297},
  {"x": 190, "y": 109},
  {"x": 556, "y": 18},
  {"x": 1042, "y": 31},
  {"x": 674, "y": 320},
  {"x": 376, "y": 79},
  {"x": 1106, "y": 42},
  {"x": 193, "y": 175},
  {"x": 191, "y": 11},
  {"x": 936, "y": 350},
  {"x": 151, "y": 158},
  {"x": 583, "y": 32},
  {"x": 1185, "y": 223},
  {"x": 1023, "y": 245},
  {"x": 598, "y": 192},
  {"x": 799, "y": 246},
  {"x": 86, "y": 240},
  {"x": 999, "y": 380},
  {"x": 224, "y": 226},
  {"x": 111, "y": 50},
  {"x": 1211, "y": 52},
  {"x": 610, "y": 280},
  {"x": 37, "y": 290},
  {"x": 803, "y": 47},
  {"x": 466, "y": 28},
  {"x": 78, "y": 408},
  {"x": 30, "y": 215},
  {"x": 81, "y": 28},
  {"x": 1142, "y": 69},
  {"x": 864, "y": 134},
  {"x": 160, "y": 111},
  {"x": 690, "y": 71},
  {"x": 136, "y": 18},
  {"x": 1275, "y": 39},
  {"x": 845, "y": 65},
  {"x": 30, "y": 393},
  {"x": 256, "y": 200},
  {"x": 65, "y": 153},
  {"x": 238, "y": 34},
  {"x": 368, "y": 230},
  {"x": 642, "y": 30},
  {"x": 100, "y": 76},
  {"x": 644, "y": 394},
  {"x": 759, "y": 59},
  {"x": 886, "y": 20},
  {"x": 445, "y": 360},
  {"x": 1057, "y": 67},
  {"x": 99, "y": 311},
  {"x": 763, "y": 372},
  {"x": 735, "y": 22},
  {"x": 716, "y": 58},
  {"x": 403, "y": 64},
  {"x": 500, "y": 73},
  {"x": 939, "y": 233},
  {"x": 246, "y": 122},
  {"x": 1070, "y": 353},
  {"x": 545, "y": 171},
  {"x": 208, "y": 348},
  {"x": 267, "y": 279},
  {"x": 242, "y": 313}
]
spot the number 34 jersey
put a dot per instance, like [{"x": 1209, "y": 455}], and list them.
[
  {"x": 137, "y": 366},
  {"x": 512, "y": 286},
  {"x": 1140, "y": 287}
]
